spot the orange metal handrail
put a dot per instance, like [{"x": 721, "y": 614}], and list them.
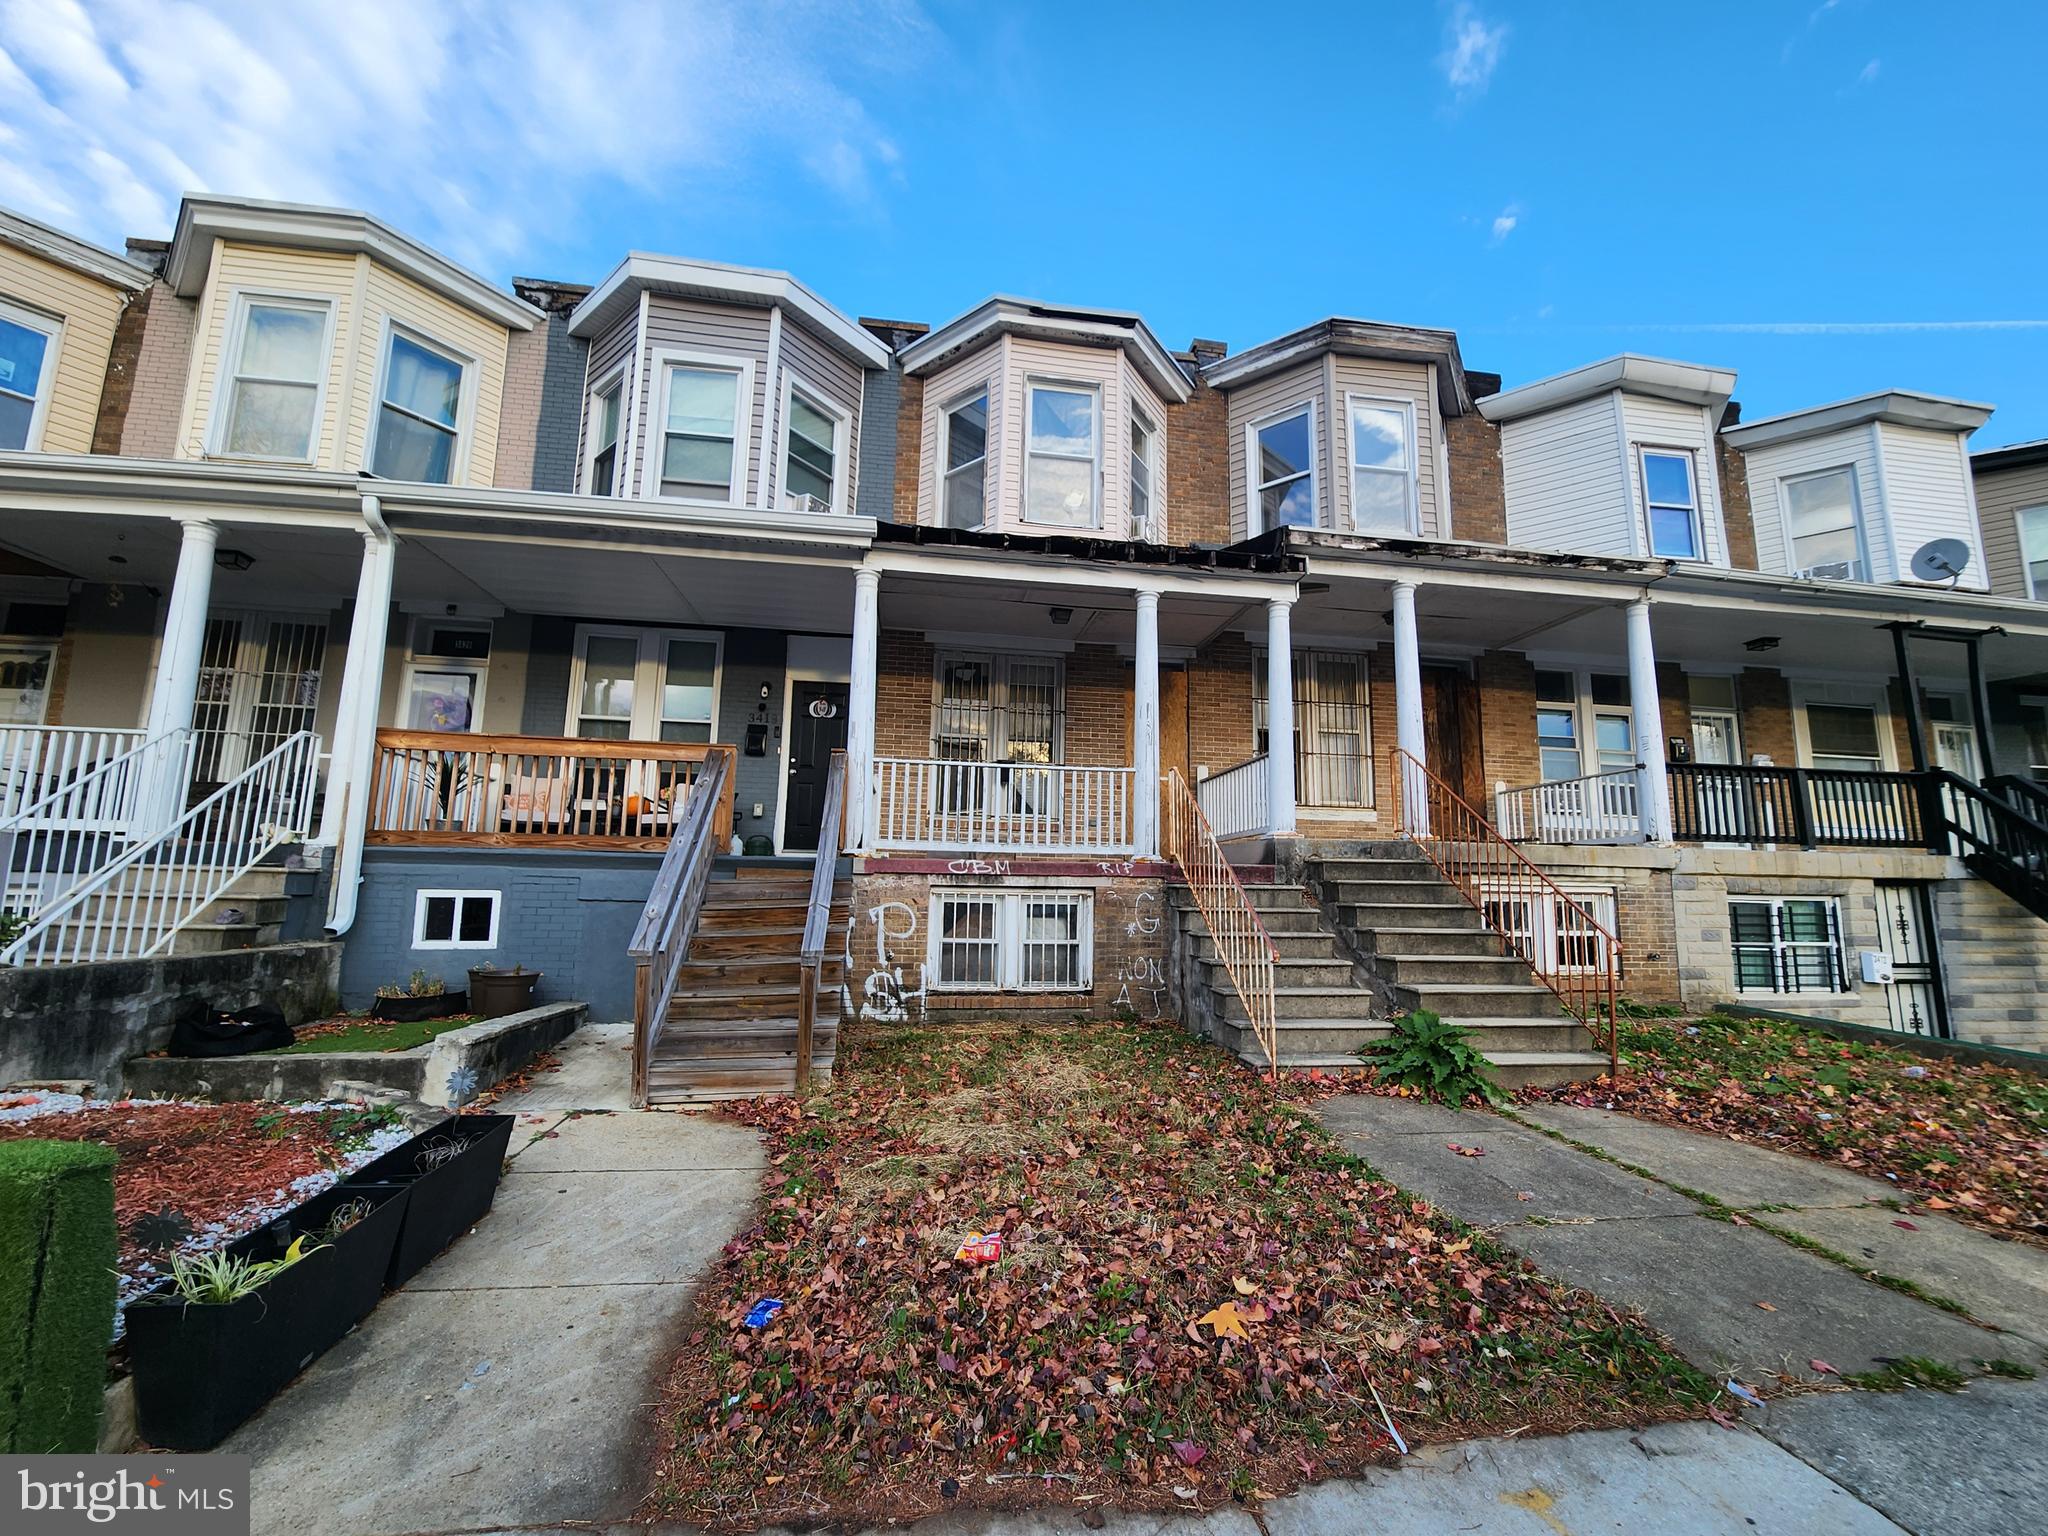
[
  {"x": 1242, "y": 942},
  {"x": 1567, "y": 948}
]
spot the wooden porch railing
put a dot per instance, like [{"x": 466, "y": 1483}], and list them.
[
  {"x": 1242, "y": 943},
  {"x": 1568, "y": 949},
  {"x": 1238, "y": 801},
  {"x": 433, "y": 787},
  {"x": 818, "y": 920},
  {"x": 661, "y": 941}
]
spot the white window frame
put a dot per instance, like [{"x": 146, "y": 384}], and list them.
[
  {"x": 1009, "y": 937},
  {"x": 1094, "y": 460},
  {"x": 51, "y": 329},
  {"x": 2019, "y": 528},
  {"x": 1587, "y": 713},
  {"x": 648, "y": 666},
  {"x": 662, "y": 360},
  {"x": 985, "y": 392},
  {"x": 1862, "y": 527},
  {"x": 999, "y": 664},
  {"x": 842, "y": 437},
  {"x": 465, "y": 408},
  {"x": 417, "y": 661},
  {"x": 455, "y": 940},
  {"x": 1778, "y": 945},
  {"x": 240, "y": 301},
  {"x": 1255, "y": 522},
  {"x": 1697, "y": 515},
  {"x": 1308, "y": 721},
  {"x": 1873, "y": 697},
  {"x": 1549, "y": 938},
  {"x": 612, "y": 381},
  {"x": 1389, "y": 403},
  {"x": 1152, "y": 528}
]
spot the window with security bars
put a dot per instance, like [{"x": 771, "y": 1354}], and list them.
[
  {"x": 1788, "y": 945},
  {"x": 1562, "y": 932},
  {"x": 998, "y": 709},
  {"x": 259, "y": 684},
  {"x": 1332, "y": 726},
  {"x": 1021, "y": 941}
]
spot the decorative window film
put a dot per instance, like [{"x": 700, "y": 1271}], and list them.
[
  {"x": 1788, "y": 945},
  {"x": 273, "y": 391},
  {"x": 1022, "y": 941},
  {"x": 417, "y": 421}
]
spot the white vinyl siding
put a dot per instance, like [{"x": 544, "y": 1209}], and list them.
[
  {"x": 1274, "y": 395},
  {"x": 1567, "y": 481},
  {"x": 833, "y": 381},
  {"x": 88, "y": 311},
  {"x": 1668, "y": 424},
  {"x": 953, "y": 385},
  {"x": 1927, "y": 496},
  {"x": 1373, "y": 381},
  {"x": 2002, "y": 496},
  {"x": 1854, "y": 448}
]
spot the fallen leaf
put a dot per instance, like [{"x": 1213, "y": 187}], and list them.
[
  {"x": 1902, "y": 1222},
  {"x": 1223, "y": 1320},
  {"x": 1823, "y": 1367},
  {"x": 1189, "y": 1453},
  {"x": 1765, "y": 1306},
  {"x": 1244, "y": 1286}
]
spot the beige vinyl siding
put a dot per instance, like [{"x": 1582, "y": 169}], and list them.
[
  {"x": 1406, "y": 383},
  {"x": 1039, "y": 362},
  {"x": 1276, "y": 393},
  {"x": 1851, "y": 448},
  {"x": 1669, "y": 424},
  {"x": 1117, "y": 455},
  {"x": 609, "y": 353},
  {"x": 87, "y": 312},
  {"x": 391, "y": 296},
  {"x": 1927, "y": 496},
  {"x": 824, "y": 370},
  {"x": 1563, "y": 476},
  {"x": 948, "y": 386},
  {"x": 2002, "y": 494},
  {"x": 723, "y": 330}
]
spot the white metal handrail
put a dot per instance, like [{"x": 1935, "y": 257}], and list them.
[
  {"x": 41, "y": 765},
  {"x": 134, "y": 905},
  {"x": 1239, "y": 800},
  {"x": 919, "y": 802},
  {"x": 1593, "y": 808},
  {"x": 1242, "y": 943}
]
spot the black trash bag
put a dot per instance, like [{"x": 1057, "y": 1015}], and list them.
[{"x": 231, "y": 1031}]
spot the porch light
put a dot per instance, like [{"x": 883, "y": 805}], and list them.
[
  {"x": 233, "y": 559},
  {"x": 1761, "y": 643},
  {"x": 1059, "y": 615}
]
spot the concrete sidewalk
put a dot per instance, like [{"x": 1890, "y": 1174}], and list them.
[{"x": 508, "y": 1384}]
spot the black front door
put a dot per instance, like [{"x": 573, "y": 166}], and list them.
[{"x": 817, "y": 729}]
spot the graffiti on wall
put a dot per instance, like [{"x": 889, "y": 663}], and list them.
[
  {"x": 1141, "y": 986},
  {"x": 885, "y": 997},
  {"x": 1141, "y": 911}
]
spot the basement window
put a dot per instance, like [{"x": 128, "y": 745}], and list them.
[
  {"x": 1012, "y": 941},
  {"x": 1788, "y": 945},
  {"x": 455, "y": 919}
]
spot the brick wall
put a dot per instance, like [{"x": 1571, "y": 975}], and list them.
[
  {"x": 875, "y": 484},
  {"x": 1198, "y": 462},
  {"x": 1765, "y": 701},
  {"x": 1099, "y": 707},
  {"x": 909, "y": 446},
  {"x": 1674, "y": 700},
  {"x": 122, "y": 360},
  {"x": 1219, "y": 723},
  {"x": 1735, "y": 512},
  {"x": 903, "y": 694},
  {"x": 526, "y": 354},
  {"x": 1479, "y": 505},
  {"x": 1995, "y": 955},
  {"x": 1507, "y": 718},
  {"x": 156, "y": 399}
]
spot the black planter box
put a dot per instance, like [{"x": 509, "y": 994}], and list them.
[
  {"x": 410, "y": 1010},
  {"x": 447, "y": 1200},
  {"x": 202, "y": 1370}
]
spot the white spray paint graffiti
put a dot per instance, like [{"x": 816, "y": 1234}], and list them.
[
  {"x": 1143, "y": 921},
  {"x": 1141, "y": 986},
  {"x": 884, "y": 997}
]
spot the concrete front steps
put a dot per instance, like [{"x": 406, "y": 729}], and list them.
[
  {"x": 250, "y": 914},
  {"x": 732, "y": 1025}
]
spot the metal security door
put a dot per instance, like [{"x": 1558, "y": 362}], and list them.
[
  {"x": 259, "y": 683},
  {"x": 1906, "y": 930}
]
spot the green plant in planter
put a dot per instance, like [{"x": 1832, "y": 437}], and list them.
[
  {"x": 216, "y": 1279},
  {"x": 1435, "y": 1059},
  {"x": 420, "y": 985}
]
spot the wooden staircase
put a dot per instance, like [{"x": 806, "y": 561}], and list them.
[{"x": 731, "y": 1027}]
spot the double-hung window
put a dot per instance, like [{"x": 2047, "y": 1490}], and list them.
[
  {"x": 601, "y": 478},
  {"x": 1561, "y": 932},
  {"x": 1793, "y": 944},
  {"x": 1062, "y": 451},
  {"x": 2034, "y": 551},
  {"x": 28, "y": 348},
  {"x": 1144, "y": 472},
  {"x": 1382, "y": 466},
  {"x": 963, "y": 494},
  {"x": 644, "y": 684},
  {"x": 1332, "y": 726},
  {"x": 1672, "y": 505},
  {"x": 419, "y": 417},
  {"x": 1281, "y": 461},
  {"x": 700, "y": 442},
  {"x": 812, "y": 453},
  {"x": 1557, "y": 725},
  {"x": 1843, "y": 736},
  {"x": 1820, "y": 512},
  {"x": 279, "y": 356},
  {"x": 1011, "y": 941}
]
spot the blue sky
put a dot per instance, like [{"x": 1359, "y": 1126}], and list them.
[{"x": 1830, "y": 196}]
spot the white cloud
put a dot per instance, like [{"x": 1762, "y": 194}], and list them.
[
  {"x": 476, "y": 127},
  {"x": 1869, "y": 72},
  {"x": 1505, "y": 221},
  {"x": 1473, "y": 51}
]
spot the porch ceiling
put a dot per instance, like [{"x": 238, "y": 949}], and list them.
[
  {"x": 1020, "y": 608},
  {"x": 295, "y": 561}
]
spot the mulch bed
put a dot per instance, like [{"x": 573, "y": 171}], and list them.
[
  {"x": 1966, "y": 1140},
  {"x": 1198, "y": 1294}
]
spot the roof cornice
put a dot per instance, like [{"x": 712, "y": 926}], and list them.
[
  {"x": 755, "y": 287},
  {"x": 1658, "y": 378},
  {"x": 2011, "y": 456},
  {"x": 1005, "y": 315},
  {"x": 69, "y": 251},
  {"x": 1901, "y": 407},
  {"x": 1353, "y": 338},
  {"x": 298, "y": 226}
]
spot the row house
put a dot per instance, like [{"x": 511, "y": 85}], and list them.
[{"x": 745, "y": 666}]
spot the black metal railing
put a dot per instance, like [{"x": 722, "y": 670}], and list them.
[
  {"x": 1799, "y": 807},
  {"x": 2005, "y": 846},
  {"x": 2027, "y": 796}
]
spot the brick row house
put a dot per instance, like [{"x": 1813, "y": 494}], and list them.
[{"x": 324, "y": 558}]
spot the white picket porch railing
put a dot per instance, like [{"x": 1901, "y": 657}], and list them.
[
  {"x": 1593, "y": 808},
  {"x": 85, "y": 820},
  {"x": 928, "y": 803},
  {"x": 1238, "y": 802},
  {"x": 55, "y": 768}
]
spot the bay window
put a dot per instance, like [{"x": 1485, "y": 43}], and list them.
[
  {"x": 1671, "y": 503},
  {"x": 701, "y": 407},
  {"x": 278, "y": 352},
  {"x": 811, "y": 456},
  {"x": 2034, "y": 551},
  {"x": 964, "y": 491},
  {"x": 28, "y": 345},
  {"x": 1062, "y": 450},
  {"x": 1281, "y": 460},
  {"x": 419, "y": 413},
  {"x": 1382, "y": 466},
  {"x": 1820, "y": 515},
  {"x": 601, "y": 476}
]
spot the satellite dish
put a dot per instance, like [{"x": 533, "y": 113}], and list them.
[{"x": 1941, "y": 560}]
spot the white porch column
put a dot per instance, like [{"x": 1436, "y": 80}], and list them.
[
  {"x": 1145, "y": 729},
  {"x": 1408, "y": 734},
  {"x": 860, "y": 709},
  {"x": 1653, "y": 780},
  {"x": 352, "y": 762},
  {"x": 176, "y": 686},
  {"x": 1280, "y": 714}
]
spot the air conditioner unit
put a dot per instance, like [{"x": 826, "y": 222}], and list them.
[
  {"x": 1834, "y": 570},
  {"x": 794, "y": 501}
]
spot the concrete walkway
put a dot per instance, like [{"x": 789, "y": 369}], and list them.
[{"x": 508, "y": 1384}]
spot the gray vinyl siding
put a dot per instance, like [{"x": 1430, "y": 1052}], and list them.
[
  {"x": 2002, "y": 494},
  {"x": 1671, "y": 424},
  {"x": 1851, "y": 447},
  {"x": 753, "y": 657},
  {"x": 606, "y": 352},
  {"x": 1298, "y": 385},
  {"x": 827, "y": 371},
  {"x": 694, "y": 325},
  {"x": 1407, "y": 383},
  {"x": 559, "y": 432},
  {"x": 1927, "y": 496},
  {"x": 1562, "y": 472},
  {"x": 875, "y": 488}
]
